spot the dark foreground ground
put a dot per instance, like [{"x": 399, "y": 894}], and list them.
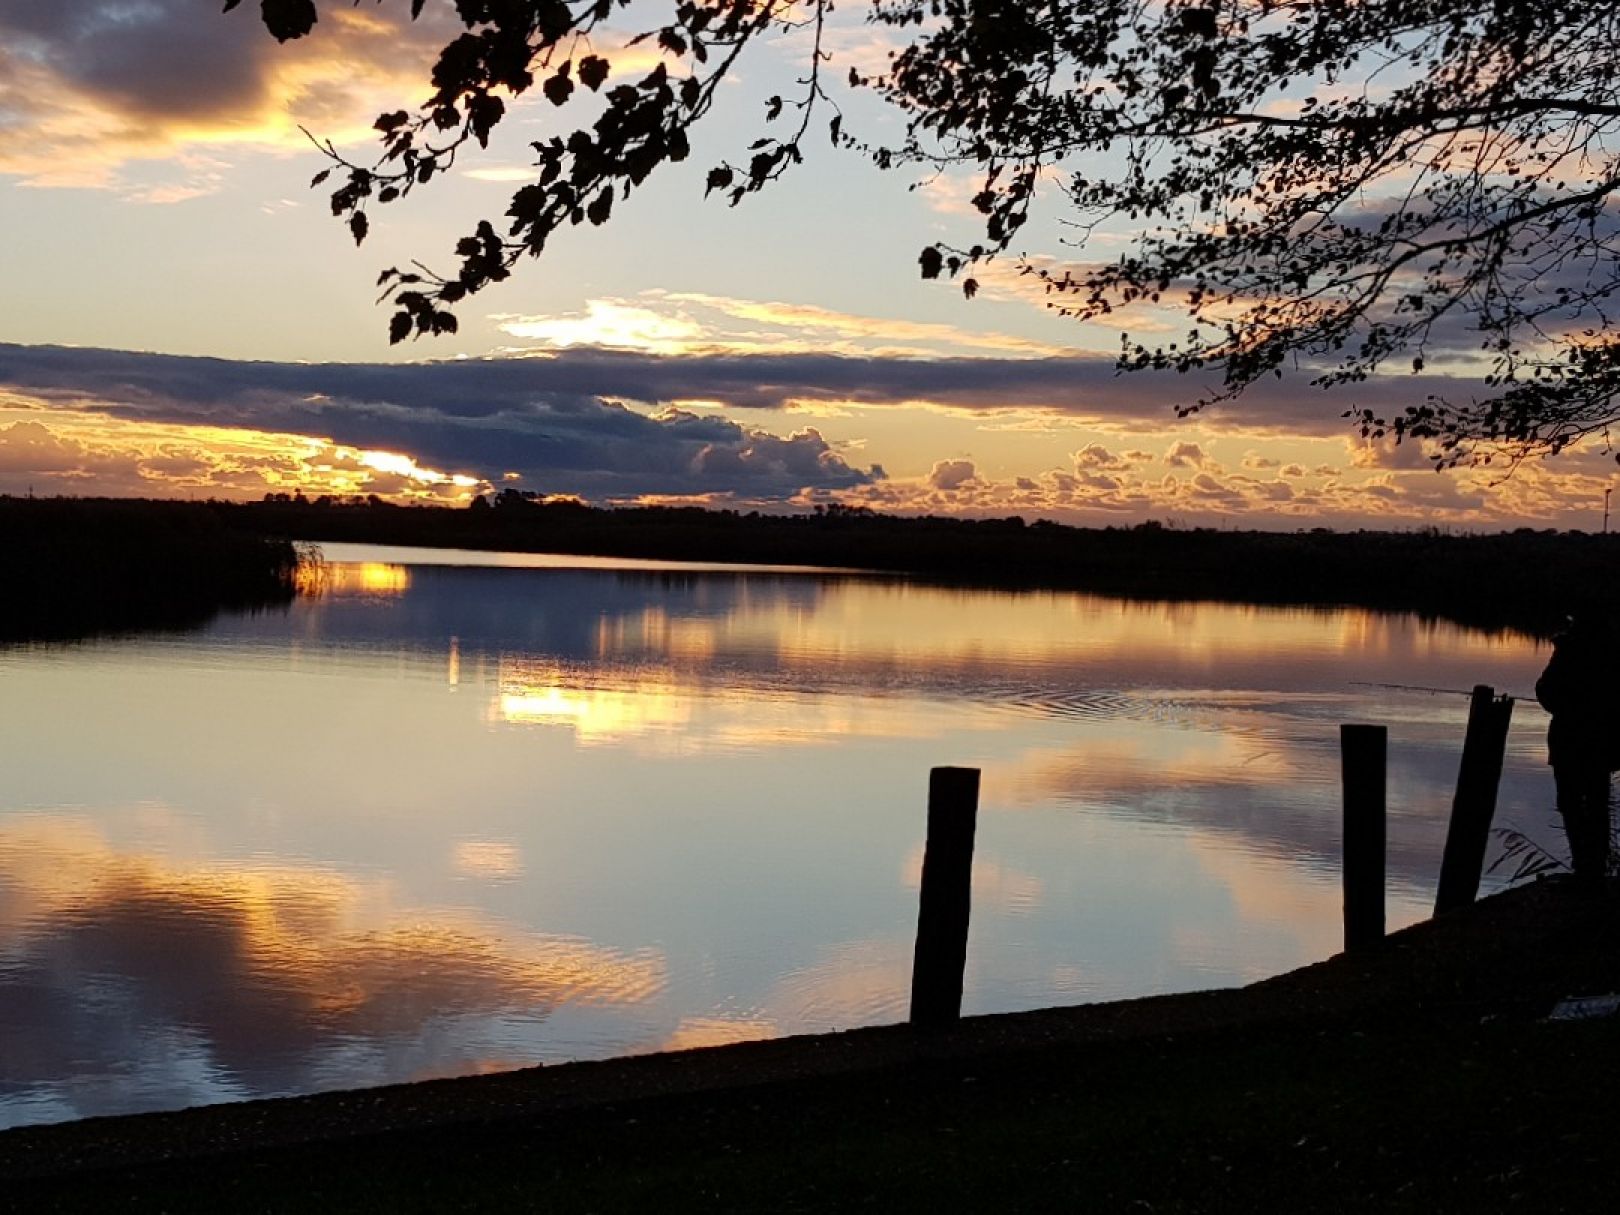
[{"x": 1423, "y": 1077}]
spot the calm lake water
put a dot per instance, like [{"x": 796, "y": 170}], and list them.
[{"x": 442, "y": 819}]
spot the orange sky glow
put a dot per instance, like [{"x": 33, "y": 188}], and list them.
[{"x": 774, "y": 356}]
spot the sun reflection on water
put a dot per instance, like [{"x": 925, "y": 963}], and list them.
[
  {"x": 646, "y": 702},
  {"x": 354, "y": 578}
]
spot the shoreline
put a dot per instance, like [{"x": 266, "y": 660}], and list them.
[
  {"x": 1503, "y": 962},
  {"x": 97, "y": 566},
  {"x": 1524, "y": 581}
]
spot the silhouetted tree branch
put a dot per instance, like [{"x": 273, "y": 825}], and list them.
[
  {"x": 1337, "y": 183},
  {"x": 510, "y": 47},
  {"x": 1348, "y": 185}
]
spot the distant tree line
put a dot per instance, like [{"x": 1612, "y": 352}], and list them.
[
  {"x": 78, "y": 567},
  {"x": 1524, "y": 579}
]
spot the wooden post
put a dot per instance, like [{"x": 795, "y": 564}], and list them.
[
  {"x": 1474, "y": 806},
  {"x": 947, "y": 884},
  {"x": 1362, "y": 751}
]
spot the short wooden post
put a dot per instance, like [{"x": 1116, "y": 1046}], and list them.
[
  {"x": 1362, "y": 751},
  {"x": 1478, "y": 778},
  {"x": 947, "y": 885}
]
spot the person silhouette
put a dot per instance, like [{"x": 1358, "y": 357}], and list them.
[{"x": 1581, "y": 689}]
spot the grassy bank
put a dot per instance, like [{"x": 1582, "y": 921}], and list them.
[
  {"x": 1524, "y": 580},
  {"x": 1421, "y": 1077},
  {"x": 78, "y": 567}
]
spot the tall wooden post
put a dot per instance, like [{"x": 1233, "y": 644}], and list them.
[
  {"x": 1478, "y": 778},
  {"x": 947, "y": 885},
  {"x": 1362, "y": 751}
]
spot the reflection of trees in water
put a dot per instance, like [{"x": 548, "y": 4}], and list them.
[
  {"x": 259, "y": 978},
  {"x": 540, "y": 611},
  {"x": 1053, "y": 654}
]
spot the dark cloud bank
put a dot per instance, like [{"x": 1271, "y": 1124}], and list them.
[
  {"x": 165, "y": 60},
  {"x": 548, "y": 420},
  {"x": 559, "y": 422}
]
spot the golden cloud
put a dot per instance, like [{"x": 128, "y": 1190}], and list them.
[
  {"x": 61, "y": 450},
  {"x": 694, "y": 323},
  {"x": 1372, "y": 487}
]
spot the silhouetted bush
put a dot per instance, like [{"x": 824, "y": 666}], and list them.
[{"x": 80, "y": 566}]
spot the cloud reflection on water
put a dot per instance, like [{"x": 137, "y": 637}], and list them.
[
  {"x": 663, "y": 711},
  {"x": 261, "y": 979},
  {"x": 1219, "y": 716}
]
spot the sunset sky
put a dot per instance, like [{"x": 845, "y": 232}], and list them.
[{"x": 181, "y": 316}]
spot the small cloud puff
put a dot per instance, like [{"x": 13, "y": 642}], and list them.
[
  {"x": 1182, "y": 454},
  {"x": 952, "y": 475},
  {"x": 1096, "y": 456}
]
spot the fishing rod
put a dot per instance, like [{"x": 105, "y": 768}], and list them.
[{"x": 1414, "y": 687}]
